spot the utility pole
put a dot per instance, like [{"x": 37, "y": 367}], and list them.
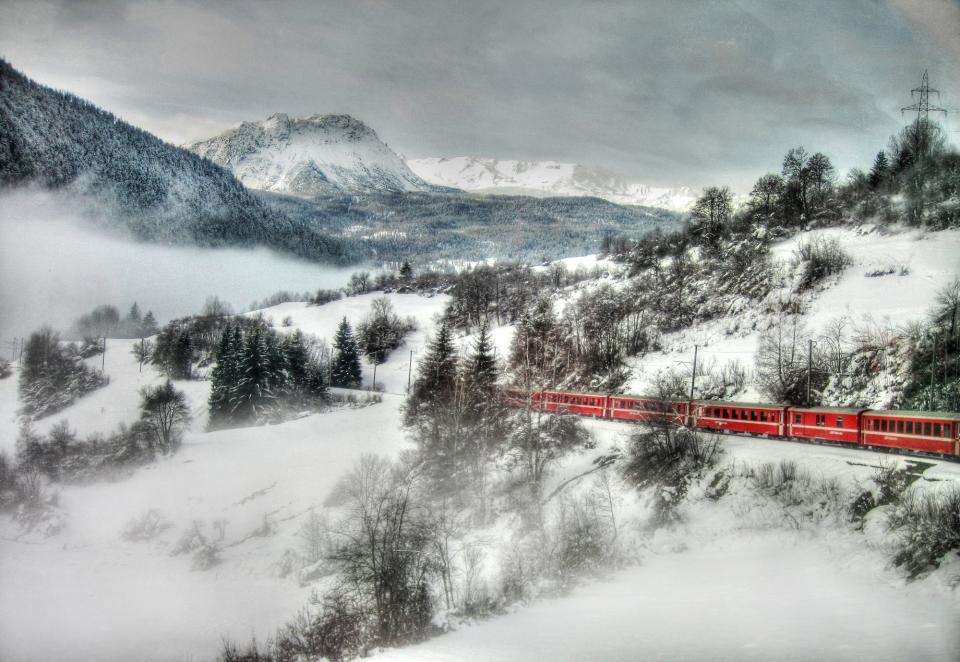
[
  {"x": 693, "y": 375},
  {"x": 409, "y": 371},
  {"x": 933, "y": 373},
  {"x": 809, "y": 366},
  {"x": 142, "y": 351}
]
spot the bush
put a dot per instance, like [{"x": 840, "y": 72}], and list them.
[
  {"x": 668, "y": 459},
  {"x": 146, "y": 527},
  {"x": 818, "y": 258},
  {"x": 929, "y": 528},
  {"x": 5, "y": 369}
]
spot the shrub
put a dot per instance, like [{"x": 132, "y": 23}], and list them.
[
  {"x": 818, "y": 258},
  {"x": 929, "y": 528},
  {"x": 5, "y": 369},
  {"x": 145, "y": 527},
  {"x": 668, "y": 459}
]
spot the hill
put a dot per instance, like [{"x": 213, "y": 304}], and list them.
[{"x": 130, "y": 180}]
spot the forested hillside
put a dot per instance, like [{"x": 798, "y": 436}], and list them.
[
  {"x": 134, "y": 180},
  {"x": 463, "y": 226}
]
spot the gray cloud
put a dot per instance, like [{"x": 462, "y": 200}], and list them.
[{"x": 670, "y": 93}]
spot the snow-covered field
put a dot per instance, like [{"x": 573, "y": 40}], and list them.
[
  {"x": 108, "y": 599},
  {"x": 730, "y": 583}
]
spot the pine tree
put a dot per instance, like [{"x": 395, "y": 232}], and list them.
[
  {"x": 297, "y": 358},
  {"x": 149, "y": 324},
  {"x": 435, "y": 413},
  {"x": 881, "y": 168},
  {"x": 406, "y": 271},
  {"x": 134, "y": 314},
  {"x": 251, "y": 395},
  {"x": 276, "y": 363},
  {"x": 223, "y": 378},
  {"x": 346, "y": 372}
]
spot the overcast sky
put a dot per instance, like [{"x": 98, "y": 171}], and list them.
[{"x": 670, "y": 92}]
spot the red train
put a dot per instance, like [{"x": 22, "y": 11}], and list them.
[{"x": 918, "y": 431}]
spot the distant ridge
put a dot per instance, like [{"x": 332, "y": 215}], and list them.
[{"x": 546, "y": 178}]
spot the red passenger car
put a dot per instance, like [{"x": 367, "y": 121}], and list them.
[
  {"x": 633, "y": 408},
  {"x": 824, "y": 424},
  {"x": 927, "y": 431},
  {"x": 737, "y": 417},
  {"x": 584, "y": 404}
]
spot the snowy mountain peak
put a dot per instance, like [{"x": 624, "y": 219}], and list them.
[
  {"x": 546, "y": 178},
  {"x": 310, "y": 156}
]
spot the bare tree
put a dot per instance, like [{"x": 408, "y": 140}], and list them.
[{"x": 166, "y": 411}]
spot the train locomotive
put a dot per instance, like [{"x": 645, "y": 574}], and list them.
[{"x": 928, "y": 432}]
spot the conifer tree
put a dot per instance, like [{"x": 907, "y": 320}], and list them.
[
  {"x": 276, "y": 361},
  {"x": 346, "y": 372},
  {"x": 879, "y": 171},
  {"x": 435, "y": 413},
  {"x": 297, "y": 358},
  {"x": 252, "y": 393},
  {"x": 149, "y": 324},
  {"x": 222, "y": 378}
]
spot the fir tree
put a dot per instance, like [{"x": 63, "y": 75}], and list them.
[
  {"x": 346, "y": 371},
  {"x": 222, "y": 378},
  {"x": 149, "y": 324},
  {"x": 406, "y": 271},
  {"x": 881, "y": 168},
  {"x": 297, "y": 358},
  {"x": 252, "y": 393},
  {"x": 276, "y": 363}
]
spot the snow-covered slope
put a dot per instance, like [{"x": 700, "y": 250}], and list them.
[
  {"x": 914, "y": 266},
  {"x": 316, "y": 155},
  {"x": 546, "y": 178}
]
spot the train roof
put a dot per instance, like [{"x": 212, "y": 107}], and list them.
[
  {"x": 740, "y": 405},
  {"x": 831, "y": 410},
  {"x": 912, "y": 413}
]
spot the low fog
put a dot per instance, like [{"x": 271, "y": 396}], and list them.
[{"x": 54, "y": 268}]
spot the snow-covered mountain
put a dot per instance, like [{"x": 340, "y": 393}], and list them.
[
  {"x": 546, "y": 178},
  {"x": 309, "y": 156}
]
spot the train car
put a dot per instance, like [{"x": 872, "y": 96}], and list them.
[
  {"x": 748, "y": 418},
  {"x": 925, "y": 431},
  {"x": 583, "y": 404},
  {"x": 824, "y": 424},
  {"x": 634, "y": 408}
]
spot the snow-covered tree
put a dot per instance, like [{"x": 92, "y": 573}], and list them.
[{"x": 346, "y": 371}]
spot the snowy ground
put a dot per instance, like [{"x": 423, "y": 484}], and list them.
[
  {"x": 730, "y": 584},
  {"x": 758, "y": 597},
  {"x": 931, "y": 259}
]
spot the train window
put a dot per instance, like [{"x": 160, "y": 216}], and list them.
[
  {"x": 899, "y": 427},
  {"x": 946, "y": 430},
  {"x": 763, "y": 417},
  {"x": 726, "y": 414},
  {"x": 909, "y": 429},
  {"x": 797, "y": 418},
  {"x": 839, "y": 421},
  {"x": 926, "y": 429},
  {"x": 936, "y": 430}
]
